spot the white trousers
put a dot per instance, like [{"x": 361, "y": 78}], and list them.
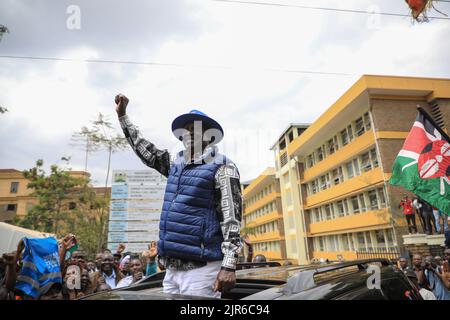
[{"x": 195, "y": 282}]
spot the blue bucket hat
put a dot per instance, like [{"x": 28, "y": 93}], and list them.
[{"x": 196, "y": 115}]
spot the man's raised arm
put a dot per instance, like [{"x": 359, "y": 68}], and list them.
[{"x": 145, "y": 150}]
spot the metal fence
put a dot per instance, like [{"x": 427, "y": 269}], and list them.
[{"x": 386, "y": 253}]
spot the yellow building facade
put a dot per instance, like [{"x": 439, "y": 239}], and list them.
[
  {"x": 17, "y": 199},
  {"x": 262, "y": 216},
  {"x": 334, "y": 176}
]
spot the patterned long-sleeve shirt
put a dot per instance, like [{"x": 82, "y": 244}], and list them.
[{"x": 227, "y": 197}]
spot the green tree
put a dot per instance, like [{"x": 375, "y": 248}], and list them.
[
  {"x": 66, "y": 204},
  {"x": 101, "y": 135},
  {"x": 54, "y": 192}
]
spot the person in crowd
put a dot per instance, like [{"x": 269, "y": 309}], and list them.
[
  {"x": 437, "y": 220},
  {"x": 417, "y": 205},
  {"x": 403, "y": 264},
  {"x": 108, "y": 273},
  {"x": 424, "y": 293},
  {"x": 199, "y": 251},
  {"x": 7, "y": 283},
  {"x": 136, "y": 273},
  {"x": 98, "y": 261},
  {"x": 86, "y": 285},
  {"x": 124, "y": 265},
  {"x": 151, "y": 266},
  {"x": 435, "y": 279},
  {"x": 438, "y": 260},
  {"x": 259, "y": 258},
  {"x": 408, "y": 211},
  {"x": 91, "y": 267},
  {"x": 78, "y": 258},
  {"x": 418, "y": 268},
  {"x": 103, "y": 287},
  {"x": 427, "y": 212}
]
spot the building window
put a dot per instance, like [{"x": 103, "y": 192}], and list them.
[
  {"x": 350, "y": 132},
  {"x": 291, "y": 136},
  {"x": 355, "y": 205},
  {"x": 365, "y": 162},
  {"x": 317, "y": 215},
  {"x": 368, "y": 241},
  {"x": 332, "y": 145},
  {"x": 314, "y": 187},
  {"x": 340, "y": 208},
  {"x": 344, "y": 137},
  {"x": 320, "y": 155},
  {"x": 381, "y": 241},
  {"x": 300, "y": 131},
  {"x": 374, "y": 158},
  {"x": 14, "y": 187},
  {"x": 361, "y": 241},
  {"x": 367, "y": 123},
  {"x": 321, "y": 244},
  {"x": 332, "y": 243},
  {"x": 362, "y": 203},
  {"x": 345, "y": 243},
  {"x": 359, "y": 127},
  {"x": 356, "y": 167},
  {"x": 350, "y": 173},
  {"x": 283, "y": 159},
  {"x": 382, "y": 197},
  {"x": 337, "y": 176},
  {"x": 325, "y": 182},
  {"x": 373, "y": 200},
  {"x": 11, "y": 207},
  {"x": 310, "y": 161},
  {"x": 283, "y": 144},
  {"x": 329, "y": 211}
]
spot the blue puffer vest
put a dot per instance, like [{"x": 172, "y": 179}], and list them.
[{"x": 189, "y": 227}]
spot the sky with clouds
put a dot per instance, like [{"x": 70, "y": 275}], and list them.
[{"x": 234, "y": 61}]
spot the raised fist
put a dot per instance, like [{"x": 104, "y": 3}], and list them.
[{"x": 121, "y": 104}]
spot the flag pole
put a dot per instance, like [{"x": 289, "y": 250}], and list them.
[{"x": 429, "y": 118}]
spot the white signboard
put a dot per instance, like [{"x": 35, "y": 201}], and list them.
[
  {"x": 136, "y": 205},
  {"x": 136, "y": 247},
  {"x": 137, "y": 236},
  {"x": 120, "y": 226},
  {"x": 137, "y": 197},
  {"x": 153, "y": 192},
  {"x": 134, "y": 216},
  {"x": 137, "y": 177}
]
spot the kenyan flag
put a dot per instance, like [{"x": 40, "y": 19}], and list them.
[{"x": 423, "y": 164}]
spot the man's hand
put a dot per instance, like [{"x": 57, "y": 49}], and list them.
[
  {"x": 68, "y": 241},
  {"x": 121, "y": 102},
  {"x": 9, "y": 258},
  {"x": 137, "y": 276},
  {"x": 153, "y": 249},
  {"x": 120, "y": 248},
  {"x": 225, "y": 281}
]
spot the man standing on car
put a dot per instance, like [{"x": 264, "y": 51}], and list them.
[{"x": 199, "y": 239}]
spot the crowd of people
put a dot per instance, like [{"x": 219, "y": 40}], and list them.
[
  {"x": 431, "y": 275},
  {"x": 73, "y": 275},
  {"x": 431, "y": 219}
]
